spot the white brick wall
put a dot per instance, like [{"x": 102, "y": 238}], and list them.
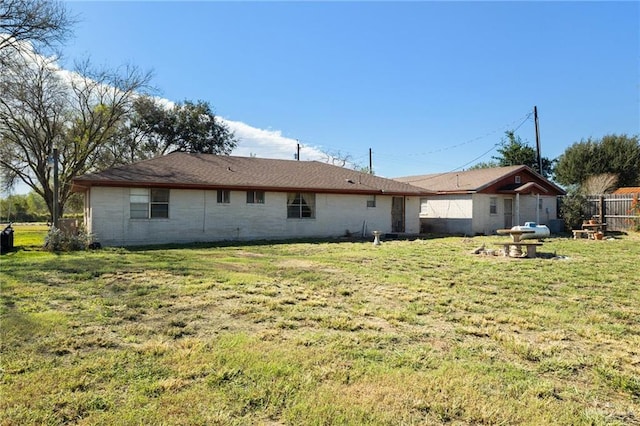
[
  {"x": 485, "y": 223},
  {"x": 447, "y": 206},
  {"x": 195, "y": 215},
  {"x": 469, "y": 213}
]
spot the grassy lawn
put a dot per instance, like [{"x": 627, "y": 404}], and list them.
[{"x": 325, "y": 333}]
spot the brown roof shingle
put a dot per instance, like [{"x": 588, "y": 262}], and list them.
[
  {"x": 185, "y": 170},
  {"x": 471, "y": 180}
]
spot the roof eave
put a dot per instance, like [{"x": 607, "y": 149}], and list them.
[
  {"x": 83, "y": 185},
  {"x": 498, "y": 179}
]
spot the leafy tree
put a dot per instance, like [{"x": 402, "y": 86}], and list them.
[
  {"x": 485, "y": 165},
  {"x": 42, "y": 108},
  {"x": 154, "y": 129},
  {"x": 613, "y": 154},
  {"x": 35, "y": 204},
  {"x": 196, "y": 129},
  {"x": 23, "y": 208},
  {"x": 515, "y": 152}
]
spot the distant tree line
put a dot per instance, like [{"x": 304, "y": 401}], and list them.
[{"x": 23, "y": 208}]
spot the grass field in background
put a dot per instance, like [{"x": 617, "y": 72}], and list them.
[
  {"x": 29, "y": 236},
  {"x": 322, "y": 333}
]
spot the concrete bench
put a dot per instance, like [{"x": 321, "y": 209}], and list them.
[
  {"x": 514, "y": 249},
  {"x": 582, "y": 233}
]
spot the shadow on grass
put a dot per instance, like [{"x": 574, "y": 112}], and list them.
[{"x": 258, "y": 243}]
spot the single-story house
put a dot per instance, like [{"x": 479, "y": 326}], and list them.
[
  {"x": 480, "y": 201},
  {"x": 183, "y": 197}
]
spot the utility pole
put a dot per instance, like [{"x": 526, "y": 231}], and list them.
[
  {"x": 54, "y": 210},
  {"x": 370, "y": 162},
  {"x": 298, "y": 151},
  {"x": 535, "y": 118}
]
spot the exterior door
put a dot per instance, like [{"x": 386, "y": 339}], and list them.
[
  {"x": 397, "y": 214},
  {"x": 508, "y": 213}
]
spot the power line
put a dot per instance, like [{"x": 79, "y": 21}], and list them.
[
  {"x": 333, "y": 151},
  {"x": 477, "y": 158},
  {"x": 494, "y": 146},
  {"x": 522, "y": 120}
]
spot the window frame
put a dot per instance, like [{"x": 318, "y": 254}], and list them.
[
  {"x": 255, "y": 197},
  {"x": 139, "y": 203},
  {"x": 223, "y": 196},
  {"x": 154, "y": 202},
  {"x": 371, "y": 201},
  {"x": 493, "y": 206},
  {"x": 304, "y": 208}
]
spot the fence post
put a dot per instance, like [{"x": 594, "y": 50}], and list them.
[{"x": 602, "y": 209}]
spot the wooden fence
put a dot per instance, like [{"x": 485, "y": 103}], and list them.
[{"x": 616, "y": 210}]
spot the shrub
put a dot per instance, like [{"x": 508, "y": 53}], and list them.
[
  {"x": 57, "y": 240},
  {"x": 573, "y": 209},
  {"x": 634, "y": 212}
]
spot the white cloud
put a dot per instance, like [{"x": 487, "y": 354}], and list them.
[
  {"x": 252, "y": 141},
  {"x": 268, "y": 143}
]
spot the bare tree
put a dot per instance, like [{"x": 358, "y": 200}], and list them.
[
  {"x": 340, "y": 159},
  {"x": 43, "y": 23},
  {"x": 43, "y": 107}
]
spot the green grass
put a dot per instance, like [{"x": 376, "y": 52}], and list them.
[
  {"x": 410, "y": 332},
  {"x": 29, "y": 236}
]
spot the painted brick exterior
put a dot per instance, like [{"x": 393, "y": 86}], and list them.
[{"x": 196, "y": 216}]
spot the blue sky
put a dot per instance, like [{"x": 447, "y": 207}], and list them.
[{"x": 429, "y": 86}]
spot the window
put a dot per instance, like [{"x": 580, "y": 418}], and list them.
[
  {"x": 493, "y": 205},
  {"x": 139, "y": 203},
  {"x": 518, "y": 180},
  {"x": 159, "y": 203},
  {"x": 301, "y": 205},
  {"x": 371, "y": 201},
  {"x": 224, "y": 196},
  {"x": 149, "y": 203},
  {"x": 255, "y": 197}
]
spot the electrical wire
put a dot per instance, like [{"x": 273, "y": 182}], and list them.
[
  {"x": 494, "y": 146},
  {"x": 522, "y": 120},
  {"x": 334, "y": 151}
]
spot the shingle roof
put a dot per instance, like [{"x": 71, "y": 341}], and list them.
[
  {"x": 467, "y": 181},
  {"x": 184, "y": 170},
  {"x": 471, "y": 180}
]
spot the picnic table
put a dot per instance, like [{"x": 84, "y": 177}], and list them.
[
  {"x": 514, "y": 248},
  {"x": 590, "y": 229}
]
